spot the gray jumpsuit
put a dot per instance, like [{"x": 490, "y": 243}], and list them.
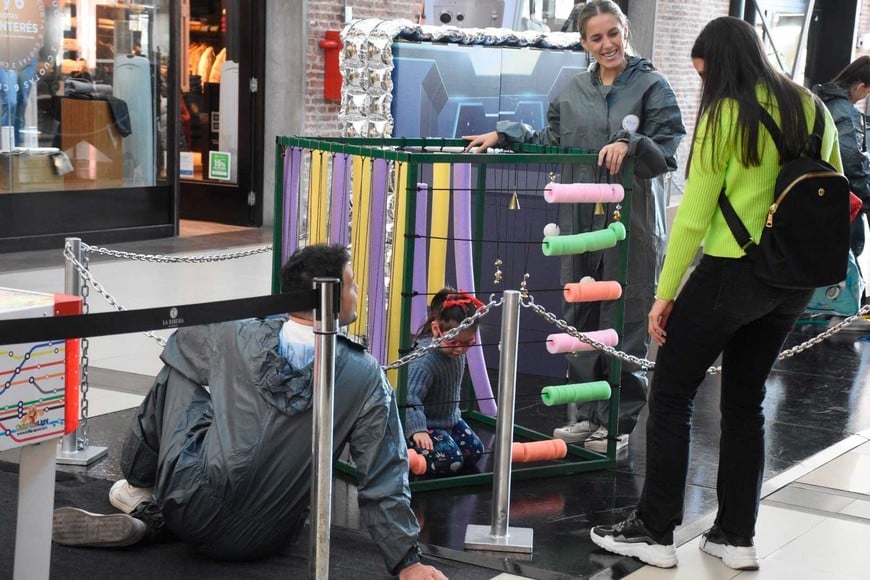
[
  {"x": 589, "y": 115},
  {"x": 231, "y": 465}
]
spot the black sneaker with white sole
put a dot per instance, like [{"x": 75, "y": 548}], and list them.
[
  {"x": 76, "y": 527},
  {"x": 737, "y": 552},
  {"x": 632, "y": 538}
]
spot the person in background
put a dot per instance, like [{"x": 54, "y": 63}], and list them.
[
  {"x": 724, "y": 308},
  {"x": 624, "y": 108},
  {"x": 219, "y": 452},
  {"x": 570, "y": 24},
  {"x": 433, "y": 422},
  {"x": 852, "y": 84}
]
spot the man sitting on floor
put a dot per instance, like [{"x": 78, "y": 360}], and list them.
[{"x": 219, "y": 452}]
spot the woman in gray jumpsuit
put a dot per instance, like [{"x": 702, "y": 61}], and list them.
[{"x": 624, "y": 108}]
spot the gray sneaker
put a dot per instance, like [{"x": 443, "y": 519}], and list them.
[
  {"x": 598, "y": 441},
  {"x": 575, "y": 432},
  {"x": 76, "y": 527},
  {"x": 736, "y": 552},
  {"x": 127, "y": 498}
]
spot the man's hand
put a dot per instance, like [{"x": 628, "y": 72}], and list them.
[
  {"x": 419, "y": 571},
  {"x": 480, "y": 143},
  {"x": 423, "y": 440}
]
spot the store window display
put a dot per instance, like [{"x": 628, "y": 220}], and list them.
[
  {"x": 209, "y": 117},
  {"x": 77, "y": 91}
]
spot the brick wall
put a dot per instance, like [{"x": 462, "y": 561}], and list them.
[
  {"x": 322, "y": 116},
  {"x": 678, "y": 23}
]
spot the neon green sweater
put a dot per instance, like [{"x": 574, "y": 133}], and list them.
[{"x": 749, "y": 189}]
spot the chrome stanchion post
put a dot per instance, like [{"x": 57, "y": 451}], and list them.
[
  {"x": 499, "y": 536},
  {"x": 325, "y": 330},
  {"x": 74, "y": 449}
]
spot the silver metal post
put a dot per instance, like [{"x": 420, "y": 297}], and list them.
[
  {"x": 325, "y": 330},
  {"x": 499, "y": 536},
  {"x": 69, "y": 452}
]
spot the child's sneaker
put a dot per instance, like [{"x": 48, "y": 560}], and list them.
[
  {"x": 632, "y": 538},
  {"x": 575, "y": 432},
  {"x": 126, "y": 497},
  {"x": 736, "y": 552},
  {"x": 76, "y": 527}
]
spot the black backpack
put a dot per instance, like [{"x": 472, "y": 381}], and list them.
[{"x": 805, "y": 242}]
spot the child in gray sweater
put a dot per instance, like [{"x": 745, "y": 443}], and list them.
[{"x": 433, "y": 423}]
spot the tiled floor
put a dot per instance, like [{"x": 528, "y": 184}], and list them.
[
  {"x": 813, "y": 521},
  {"x": 816, "y": 527}
]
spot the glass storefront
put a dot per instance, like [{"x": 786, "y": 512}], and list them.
[
  {"x": 221, "y": 50},
  {"x": 118, "y": 118}
]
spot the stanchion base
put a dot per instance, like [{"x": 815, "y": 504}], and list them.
[
  {"x": 516, "y": 539},
  {"x": 84, "y": 456}
]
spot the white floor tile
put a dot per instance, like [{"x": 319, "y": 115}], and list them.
[
  {"x": 777, "y": 570},
  {"x": 777, "y": 527},
  {"x": 693, "y": 565},
  {"x": 102, "y": 401},
  {"x": 863, "y": 449},
  {"x": 849, "y": 472},
  {"x": 832, "y": 547},
  {"x": 858, "y": 508}
]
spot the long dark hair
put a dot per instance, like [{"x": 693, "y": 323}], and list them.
[
  {"x": 858, "y": 71},
  {"x": 734, "y": 65},
  {"x": 448, "y": 308}
]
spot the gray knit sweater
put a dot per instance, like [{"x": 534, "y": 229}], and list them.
[{"x": 434, "y": 385}]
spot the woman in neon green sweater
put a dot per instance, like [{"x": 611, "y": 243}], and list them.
[{"x": 723, "y": 308}]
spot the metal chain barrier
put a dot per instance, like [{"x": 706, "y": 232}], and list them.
[
  {"x": 176, "y": 259},
  {"x": 824, "y": 335},
  {"x": 88, "y": 279},
  {"x": 453, "y": 332},
  {"x": 82, "y": 442}
]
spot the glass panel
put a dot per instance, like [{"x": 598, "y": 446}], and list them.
[
  {"x": 83, "y": 103},
  {"x": 209, "y": 110}
]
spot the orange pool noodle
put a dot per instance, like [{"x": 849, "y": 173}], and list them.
[
  {"x": 538, "y": 451},
  {"x": 416, "y": 462},
  {"x": 592, "y": 291}
]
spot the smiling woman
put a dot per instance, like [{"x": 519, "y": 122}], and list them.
[{"x": 626, "y": 110}]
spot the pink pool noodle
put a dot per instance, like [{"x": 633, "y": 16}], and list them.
[
  {"x": 564, "y": 343},
  {"x": 592, "y": 291},
  {"x": 583, "y": 192}
]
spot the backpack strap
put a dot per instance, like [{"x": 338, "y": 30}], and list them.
[
  {"x": 814, "y": 142},
  {"x": 735, "y": 224}
]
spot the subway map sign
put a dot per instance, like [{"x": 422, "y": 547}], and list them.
[{"x": 35, "y": 377}]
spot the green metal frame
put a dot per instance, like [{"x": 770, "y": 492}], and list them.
[{"x": 397, "y": 150}]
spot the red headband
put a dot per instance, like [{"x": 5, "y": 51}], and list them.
[{"x": 461, "y": 299}]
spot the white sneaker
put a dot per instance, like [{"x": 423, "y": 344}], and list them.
[
  {"x": 126, "y": 497},
  {"x": 598, "y": 441},
  {"x": 575, "y": 432}
]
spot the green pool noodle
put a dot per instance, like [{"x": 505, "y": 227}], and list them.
[
  {"x": 585, "y": 242},
  {"x": 576, "y": 393}
]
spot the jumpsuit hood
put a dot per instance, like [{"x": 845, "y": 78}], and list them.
[{"x": 284, "y": 386}]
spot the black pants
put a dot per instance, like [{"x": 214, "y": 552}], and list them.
[{"x": 724, "y": 309}]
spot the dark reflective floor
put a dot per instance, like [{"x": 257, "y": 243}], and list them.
[{"x": 814, "y": 400}]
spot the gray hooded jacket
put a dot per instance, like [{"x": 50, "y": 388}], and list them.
[
  {"x": 234, "y": 475},
  {"x": 589, "y": 115}
]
